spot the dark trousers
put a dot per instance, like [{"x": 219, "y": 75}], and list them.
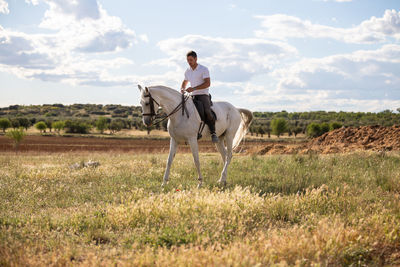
[{"x": 209, "y": 118}]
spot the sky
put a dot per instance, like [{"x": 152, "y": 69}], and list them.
[{"x": 264, "y": 55}]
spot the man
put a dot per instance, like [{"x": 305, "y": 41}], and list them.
[{"x": 199, "y": 78}]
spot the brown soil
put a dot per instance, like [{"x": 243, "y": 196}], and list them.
[
  {"x": 32, "y": 143},
  {"x": 375, "y": 138}
]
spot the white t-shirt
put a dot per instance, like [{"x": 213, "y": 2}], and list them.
[{"x": 196, "y": 77}]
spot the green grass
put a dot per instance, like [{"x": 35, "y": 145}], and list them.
[{"x": 285, "y": 210}]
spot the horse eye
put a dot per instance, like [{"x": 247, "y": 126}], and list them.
[{"x": 147, "y": 104}]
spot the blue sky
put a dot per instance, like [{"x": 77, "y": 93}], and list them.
[{"x": 262, "y": 55}]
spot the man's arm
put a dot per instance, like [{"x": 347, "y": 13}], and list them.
[
  {"x": 204, "y": 85},
  {"x": 183, "y": 86}
]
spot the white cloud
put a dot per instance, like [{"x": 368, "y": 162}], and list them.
[
  {"x": 365, "y": 80},
  {"x": 361, "y": 75},
  {"x": 33, "y": 2},
  {"x": 78, "y": 9},
  {"x": 374, "y": 30},
  {"x": 81, "y": 31},
  {"x": 21, "y": 51},
  {"x": 266, "y": 97},
  {"x": 86, "y": 27},
  {"x": 144, "y": 38},
  {"x": 4, "y": 7},
  {"x": 229, "y": 59}
]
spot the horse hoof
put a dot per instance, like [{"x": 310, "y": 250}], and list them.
[
  {"x": 222, "y": 183},
  {"x": 199, "y": 185},
  {"x": 164, "y": 184}
]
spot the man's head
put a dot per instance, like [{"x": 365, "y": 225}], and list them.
[{"x": 191, "y": 58}]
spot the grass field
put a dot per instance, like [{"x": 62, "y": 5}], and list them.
[{"x": 339, "y": 209}]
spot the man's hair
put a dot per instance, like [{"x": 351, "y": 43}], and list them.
[{"x": 191, "y": 54}]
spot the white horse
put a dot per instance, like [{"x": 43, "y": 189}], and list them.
[{"x": 231, "y": 126}]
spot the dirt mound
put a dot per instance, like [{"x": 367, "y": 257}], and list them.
[
  {"x": 376, "y": 138},
  {"x": 278, "y": 149}
]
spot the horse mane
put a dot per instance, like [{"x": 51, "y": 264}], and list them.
[{"x": 165, "y": 88}]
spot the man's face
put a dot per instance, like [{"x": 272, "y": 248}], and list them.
[{"x": 192, "y": 61}]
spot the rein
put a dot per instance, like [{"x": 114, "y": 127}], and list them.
[{"x": 176, "y": 109}]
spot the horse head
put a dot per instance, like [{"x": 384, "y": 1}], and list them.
[{"x": 149, "y": 106}]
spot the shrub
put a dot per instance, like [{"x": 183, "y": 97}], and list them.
[
  {"x": 101, "y": 124},
  {"x": 41, "y": 126},
  {"x": 74, "y": 126},
  {"x": 324, "y": 128},
  {"x": 115, "y": 126},
  {"x": 335, "y": 125},
  {"x": 279, "y": 126},
  {"x": 58, "y": 126},
  {"x": 314, "y": 129},
  {"x": 17, "y": 135},
  {"x": 297, "y": 130},
  {"x": 4, "y": 124}
]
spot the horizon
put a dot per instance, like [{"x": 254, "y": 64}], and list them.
[
  {"x": 266, "y": 111},
  {"x": 313, "y": 55}
]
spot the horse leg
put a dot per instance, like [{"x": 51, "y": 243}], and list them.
[
  {"x": 224, "y": 173},
  {"x": 221, "y": 148},
  {"x": 173, "y": 145},
  {"x": 194, "y": 147}
]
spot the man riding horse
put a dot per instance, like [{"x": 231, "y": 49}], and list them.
[{"x": 199, "y": 78}]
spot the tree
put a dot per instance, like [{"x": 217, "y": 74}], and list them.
[
  {"x": 115, "y": 126},
  {"x": 279, "y": 126},
  {"x": 261, "y": 130},
  {"x": 314, "y": 129},
  {"x": 324, "y": 128},
  {"x": 33, "y": 120},
  {"x": 49, "y": 124},
  {"x": 101, "y": 124},
  {"x": 58, "y": 126},
  {"x": 76, "y": 126},
  {"x": 252, "y": 130},
  {"x": 17, "y": 135},
  {"x": 15, "y": 123},
  {"x": 5, "y": 124},
  {"x": 24, "y": 122},
  {"x": 297, "y": 130},
  {"x": 335, "y": 125},
  {"x": 268, "y": 130},
  {"x": 41, "y": 126}
]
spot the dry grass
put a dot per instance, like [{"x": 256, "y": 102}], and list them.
[{"x": 305, "y": 210}]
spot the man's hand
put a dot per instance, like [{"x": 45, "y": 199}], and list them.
[
  {"x": 190, "y": 89},
  {"x": 183, "y": 90}
]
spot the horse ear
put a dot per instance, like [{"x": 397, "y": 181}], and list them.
[
  {"x": 140, "y": 87},
  {"x": 147, "y": 89}
]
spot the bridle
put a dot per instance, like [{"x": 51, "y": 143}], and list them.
[
  {"x": 151, "y": 103},
  {"x": 153, "y": 113}
]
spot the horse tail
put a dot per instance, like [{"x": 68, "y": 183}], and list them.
[{"x": 247, "y": 118}]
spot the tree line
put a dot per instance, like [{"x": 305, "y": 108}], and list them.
[
  {"x": 78, "y": 125},
  {"x": 84, "y": 118}
]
